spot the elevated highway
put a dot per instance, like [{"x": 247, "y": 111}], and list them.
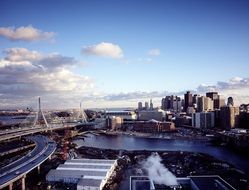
[
  {"x": 15, "y": 133},
  {"x": 43, "y": 150}
]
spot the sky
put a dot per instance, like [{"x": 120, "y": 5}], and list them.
[{"x": 114, "y": 53}]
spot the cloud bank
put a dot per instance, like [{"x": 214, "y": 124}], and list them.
[
  {"x": 104, "y": 49},
  {"x": 25, "y": 33},
  {"x": 236, "y": 87},
  {"x": 25, "y": 74}
]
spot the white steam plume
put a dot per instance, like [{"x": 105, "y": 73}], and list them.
[{"x": 157, "y": 172}]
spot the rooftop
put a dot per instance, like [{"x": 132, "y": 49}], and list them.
[
  {"x": 89, "y": 182},
  {"x": 210, "y": 182},
  {"x": 84, "y": 172},
  {"x": 76, "y": 173},
  {"x": 186, "y": 183}
]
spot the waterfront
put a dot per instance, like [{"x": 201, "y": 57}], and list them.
[{"x": 134, "y": 143}]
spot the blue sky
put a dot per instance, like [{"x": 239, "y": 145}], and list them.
[{"x": 163, "y": 45}]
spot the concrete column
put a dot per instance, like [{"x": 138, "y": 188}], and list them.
[
  {"x": 39, "y": 169},
  {"x": 11, "y": 186},
  {"x": 23, "y": 182}
]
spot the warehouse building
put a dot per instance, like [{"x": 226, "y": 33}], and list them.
[{"x": 88, "y": 174}]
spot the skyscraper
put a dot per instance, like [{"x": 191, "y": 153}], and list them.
[
  {"x": 162, "y": 104},
  {"x": 204, "y": 104},
  {"x": 177, "y": 104},
  {"x": 188, "y": 100},
  {"x": 151, "y": 104},
  {"x": 195, "y": 98},
  {"x": 230, "y": 101},
  {"x": 146, "y": 105},
  {"x": 229, "y": 116},
  {"x": 212, "y": 95},
  {"x": 218, "y": 103},
  {"x": 140, "y": 105},
  {"x": 166, "y": 103},
  {"x": 217, "y": 100}
]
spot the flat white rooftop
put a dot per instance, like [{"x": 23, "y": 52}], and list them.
[
  {"x": 84, "y": 172},
  {"x": 83, "y": 167},
  {"x": 89, "y": 182},
  {"x": 75, "y": 173}
]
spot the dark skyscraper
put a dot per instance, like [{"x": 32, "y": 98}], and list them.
[
  {"x": 218, "y": 103},
  {"x": 212, "y": 95},
  {"x": 188, "y": 99},
  {"x": 217, "y": 100},
  {"x": 195, "y": 98},
  {"x": 166, "y": 103},
  {"x": 229, "y": 116},
  {"x": 230, "y": 101}
]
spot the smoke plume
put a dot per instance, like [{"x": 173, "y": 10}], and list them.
[{"x": 157, "y": 172}]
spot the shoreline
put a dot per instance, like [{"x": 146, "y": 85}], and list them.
[{"x": 165, "y": 136}]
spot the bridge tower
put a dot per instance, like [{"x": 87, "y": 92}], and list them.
[
  {"x": 40, "y": 118},
  {"x": 82, "y": 115}
]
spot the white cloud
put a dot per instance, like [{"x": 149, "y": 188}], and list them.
[
  {"x": 134, "y": 95},
  {"x": 233, "y": 84},
  {"x": 235, "y": 80},
  {"x": 25, "y": 74},
  {"x": 21, "y": 54},
  {"x": 236, "y": 87},
  {"x": 154, "y": 52},
  {"x": 25, "y": 33},
  {"x": 104, "y": 49}
]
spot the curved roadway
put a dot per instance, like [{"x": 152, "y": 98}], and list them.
[{"x": 43, "y": 150}]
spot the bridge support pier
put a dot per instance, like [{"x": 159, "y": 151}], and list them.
[
  {"x": 10, "y": 186},
  {"x": 23, "y": 182},
  {"x": 39, "y": 169}
]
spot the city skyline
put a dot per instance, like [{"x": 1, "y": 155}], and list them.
[{"x": 116, "y": 53}]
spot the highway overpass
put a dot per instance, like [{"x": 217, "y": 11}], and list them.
[
  {"x": 44, "y": 148},
  {"x": 15, "y": 133}
]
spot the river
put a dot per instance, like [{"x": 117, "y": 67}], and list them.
[{"x": 138, "y": 143}]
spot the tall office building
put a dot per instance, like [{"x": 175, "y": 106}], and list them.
[
  {"x": 203, "y": 119},
  {"x": 188, "y": 99},
  {"x": 195, "y": 100},
  {"x": 229, "y": 116},
  {"x": 219, "y": 102},
  {"x": 140, "y": 105},
  {"x": 177, "y": 104},
  {"x": 151, "y": 104},
  {"x": 146, "y": 105},
  {"x": 205, "y": 104},
  {"x": 166, "y": 102},
  {"x": 162, "y": 103},
  {"x": 212, "y": 95},
  {"x": 172, "y": 103},
  {"x": 230, "y": 101}
]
